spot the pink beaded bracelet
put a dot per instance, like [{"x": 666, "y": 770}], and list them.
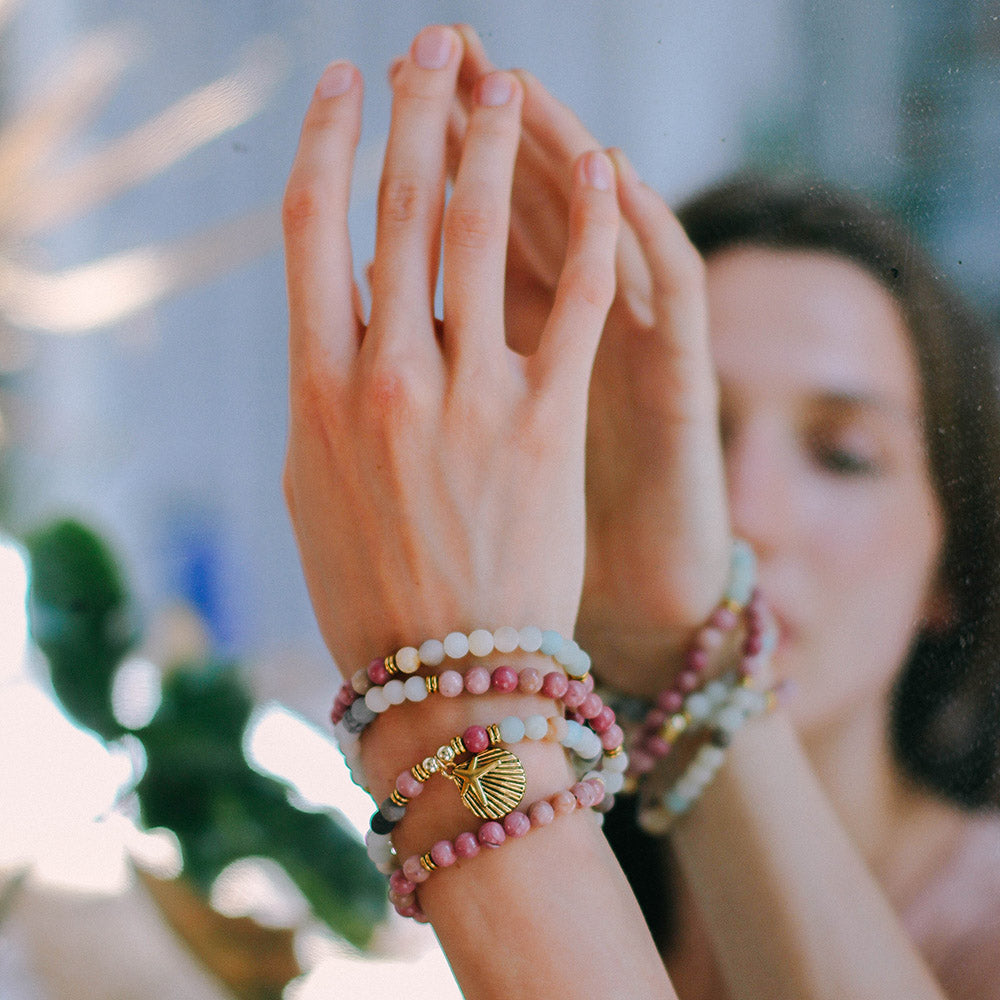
[
  {"x": 671, "y": 715},
  {"x": 417, "y": 868},
  {"x": 359, "y": 701}
]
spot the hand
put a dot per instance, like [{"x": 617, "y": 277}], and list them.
[
  {"x": 434, "y": 477},
  {"x": 657, "y": 522}
]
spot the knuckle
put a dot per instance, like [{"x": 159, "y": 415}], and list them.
[
  {"x": 400, "y": 200},
  {"x": 470, "y": 227},
  {"x": 301, "y": 206},
  {"x": 395, "y": 393}
]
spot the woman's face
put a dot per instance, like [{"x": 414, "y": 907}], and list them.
[{"x": 826, "y": 466}]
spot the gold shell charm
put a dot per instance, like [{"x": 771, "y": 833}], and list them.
[{"x": 491, "y": 784}]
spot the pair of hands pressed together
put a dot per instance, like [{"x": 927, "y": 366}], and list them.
[{"x": 435, "y": 469}]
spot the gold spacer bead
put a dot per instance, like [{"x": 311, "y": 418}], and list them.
[
  {"x": 390, "y": 665},
  {"x": 398, "y": 797},
  {"x": 420, "y": 772},
  {"x": 631, "y": 785},
  {"x": 617, "y": 751},
  {"x": 746, "y": 681},
  {"x": 734, "y": 606},
  {"x": 431, "y": 683},
  {"x": 674, "y": 727},
  {"x": 427, "y": 862},
  {"x": 494, "y": 734},
  {"x": 458, "y": 745}
]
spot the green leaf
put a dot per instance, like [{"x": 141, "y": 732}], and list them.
[{"x": 80, "y": 617}]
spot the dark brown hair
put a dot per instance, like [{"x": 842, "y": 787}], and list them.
[{"x": 945, "y": 713}]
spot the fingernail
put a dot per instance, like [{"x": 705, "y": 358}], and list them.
[
  {"x": 495, "y": 90},
  {"x": 598, "y": 171},
  {"x": 432, "y": 48},
  {"x": 624, "y": 166},
  {"x": 336, "y": 80}
]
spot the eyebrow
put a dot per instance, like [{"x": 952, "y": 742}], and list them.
[{"x": 851, "y": 400}]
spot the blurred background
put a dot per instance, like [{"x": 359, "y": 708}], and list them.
[{"x": 143, "y": 151}]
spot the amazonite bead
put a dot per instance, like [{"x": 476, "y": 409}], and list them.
[
  {"x": 456, "y": 645},
  {"x": 376, "y": 700},
  {"x": 530, "y": 638},
  {"x": 716, "y": 692},
  {"x": 613, "y": 782},
  {"x": 536, "y": 727},
  {"x": 551, "y": 642},
  {"x": 698, "y": 707},
  {"x": 481, "y": 642},
  {"x": 432, "y": 652},
  {"x": 742, "y": 572},
  {"x": 589, "y": 745},
  {"x": 512, "y": 729},
  {"x": 574, "y": 733},
  {"x": 567, "y": 653},
  {"x": 616, "y": 765},
  {"x": 394, "y": 693},
  {"x": 506, "y": 639},
  {"x": 415, "y": 688},
  {"x": 729, "y": 719}
]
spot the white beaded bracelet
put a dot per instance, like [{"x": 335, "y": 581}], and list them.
[
  {"x": 724, "y": 714},
  {"x": 482, "y": 642}
]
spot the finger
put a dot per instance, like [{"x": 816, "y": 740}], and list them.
[
  {"x": 411, "y": 194},
  {"x": 553, "y": 130},
  {"x": 587, "y": 283},
  {"x": 317, "y": 244},
  {"x": 475, "y": 64},
  {"x": 455, "y": 137},
  {"x": 675, "y": 266},
  {"x": 477, "y": 219}
]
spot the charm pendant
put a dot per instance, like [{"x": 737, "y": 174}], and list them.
[{"x": 491, "y": 784}]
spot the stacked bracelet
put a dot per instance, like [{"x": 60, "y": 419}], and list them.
[
  {"x": 726, "y": 716},
  {"x": 489, "y": 775},
  {"x": 671, "y": 711}
]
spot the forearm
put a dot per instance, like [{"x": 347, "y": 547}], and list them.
[
  {"x": 792, "y": 910},
  {"x": 549, "y": 914}
]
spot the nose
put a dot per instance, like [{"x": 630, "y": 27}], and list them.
[{"x": 758, "y": 479}]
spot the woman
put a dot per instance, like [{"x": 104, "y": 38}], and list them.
[
  {"x": 409, "y": 459},
  {"x": 859, "y": 426}
]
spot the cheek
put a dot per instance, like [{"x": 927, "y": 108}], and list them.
[{"x": 869, "y": 559}]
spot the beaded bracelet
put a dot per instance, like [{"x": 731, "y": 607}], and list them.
[
  {"x": 457, "y": 645},
  {"x": 724, "y": 720},
  {"x": 482, "y": 642},
  {"x": 357, "y": 705},
  {"x": 492, "y": 782},
  {"x": 417, "y": 868},
  {"x": 673, "y": 708}
]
